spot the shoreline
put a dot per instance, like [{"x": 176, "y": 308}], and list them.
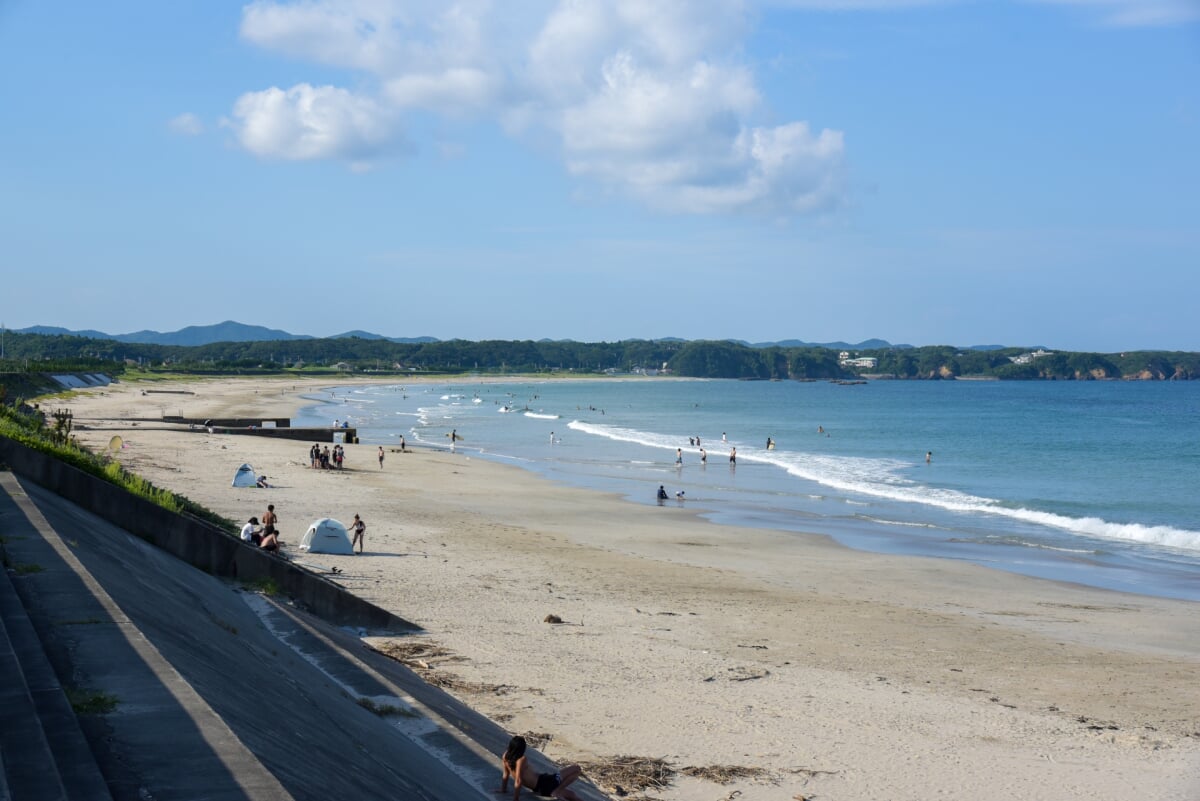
[
  {"x": 889, "y": 676},
  {"x": 998, "y": 534}
]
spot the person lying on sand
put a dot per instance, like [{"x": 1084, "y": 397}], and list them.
[{"x": 551, "y": 785}]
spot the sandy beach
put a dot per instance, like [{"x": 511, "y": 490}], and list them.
[{"x": 807, "y": 670}]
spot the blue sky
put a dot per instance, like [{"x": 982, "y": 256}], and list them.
[{"x": 941, "y": 172}]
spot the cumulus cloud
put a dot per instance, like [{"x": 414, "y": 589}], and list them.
[
  {"x": 186, "y": 124},
  {"x": 314, "y": 122},
  {"x": 649, "y": 99}
]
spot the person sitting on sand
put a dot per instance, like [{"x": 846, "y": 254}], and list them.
[
  {"x": 250, "y": 531},
  {"x": 262, "y": 483},
  {"x": 550, "y": 785},
  {"x": 662, "y": 492},
  {"x": 270, "y": 540}
]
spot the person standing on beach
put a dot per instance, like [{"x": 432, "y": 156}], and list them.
[
  {"x": 402, "y": 443},
  {"x": 733, "y": 456},
  {"x": 360, "y": 529},
  {"x": 269, "y": 517},
  {"x": 380, "y": 457},
  {"x": 679, "y": 456},
  {"x": 453, "y": 439},
  {"x": 928, "y": 457},
  {"x": 703, "y": 456},
  {"x": 514, "y": 765}
]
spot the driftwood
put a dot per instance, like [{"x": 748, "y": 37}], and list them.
[
  {"x": 422, "y": 659},
  {"x": 726, "y": 774},
  {"x": 622, "y": 773}
]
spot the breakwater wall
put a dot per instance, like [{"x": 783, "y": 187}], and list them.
[
  {"x": 197, "y": 542},
  {"x": 230, "y": 422}
]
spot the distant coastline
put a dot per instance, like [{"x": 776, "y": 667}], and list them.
[{"x": 355, "y": 354}]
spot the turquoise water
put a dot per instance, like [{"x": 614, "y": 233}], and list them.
[{"x": 1091, "y": 482}]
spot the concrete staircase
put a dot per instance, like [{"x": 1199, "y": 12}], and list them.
[{"x": 43, "y": 753}]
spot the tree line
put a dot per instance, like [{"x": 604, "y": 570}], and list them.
[{"x": 39, "y": 353}]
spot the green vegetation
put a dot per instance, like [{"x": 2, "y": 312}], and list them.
[
  {"x": 91, "y": 702},
  {"x": 267, "y": 586},
  {"x": 37, "y": 354},
  {"x": 29, "y": 427},
  {"x": 27, "y": 568}
]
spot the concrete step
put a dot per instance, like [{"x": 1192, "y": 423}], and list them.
[
  {"x": 159, "y": 739},
  {"x": 29, "y": 767}
]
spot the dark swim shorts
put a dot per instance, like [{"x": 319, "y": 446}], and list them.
[{"x": 546, "y": 783}]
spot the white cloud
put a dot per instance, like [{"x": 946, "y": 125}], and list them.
[
  {"x": 649, "y": 99},
  {"x": 186, "y": 124},
  {"x": 314, "y": 122},
  {"x": 453, "y": 91}
]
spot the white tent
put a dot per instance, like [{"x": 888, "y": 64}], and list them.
[
  {"x": 326, "y": 536},
  {"x": 245, "y": 477}
]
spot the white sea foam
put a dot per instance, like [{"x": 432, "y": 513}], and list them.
[
  {"x": 542, "y": 416},
  {"x": 883, "y": 478}
]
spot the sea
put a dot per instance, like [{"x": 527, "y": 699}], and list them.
[{"x": 1092, "y": 482}]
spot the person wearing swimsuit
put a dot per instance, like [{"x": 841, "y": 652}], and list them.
[{"x": 551, "y": 785}]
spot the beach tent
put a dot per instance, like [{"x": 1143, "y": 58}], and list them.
[
  {"x": 326, "y": 536},
  {"x": 245, "y": 477}
]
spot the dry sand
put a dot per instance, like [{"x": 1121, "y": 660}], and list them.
[{"x": 828, "y": 673}]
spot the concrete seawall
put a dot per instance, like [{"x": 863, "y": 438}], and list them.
[{"x": 197, "y": 542}]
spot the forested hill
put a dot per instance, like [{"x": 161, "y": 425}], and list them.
[{"x": 700, "y": 359}]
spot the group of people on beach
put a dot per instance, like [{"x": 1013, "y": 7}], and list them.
[
  {"x": 325, "y": 459},
  {"x": 662, "y": 494},
  {"x": 267, "y": 537}
]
